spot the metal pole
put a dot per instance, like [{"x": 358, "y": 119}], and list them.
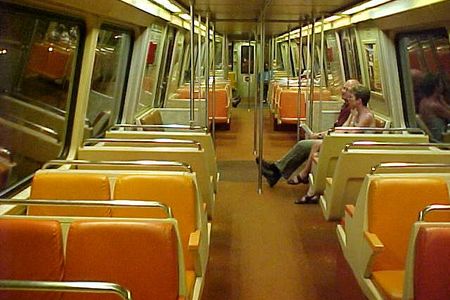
[
  {"x": 248, "y": 72},
  {"x": 199, "y": 60},
  {"x": 311, "y": 83},
  {"x": 322, "y": 71},
  {"x": 192, "y": 83},
  {"x": 214, "y": 85},
  {"x": 289, "y": 54},
  {"x": 258, "y": 80},
  {"x": 261, "y": 96},
  {"x": 299, "y": 80},
  {"x": 207, "y": 71}
]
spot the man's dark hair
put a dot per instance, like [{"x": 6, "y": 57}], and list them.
[{"x": 361, "y": 92}]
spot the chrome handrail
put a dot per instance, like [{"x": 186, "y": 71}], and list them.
[
  {"x": 142, "y": 141},
  {"x": 6, "y": 154},
  {"x": 134, "y": 163},
  {"x": 407, "y": 165},
  {"x": 374, "y": 129},
  {"x": 430, "y": 208},
  {"x": 162, "y": 126},
  {"x": 61, "y": 286},
  {"x": 31, "y": 125},
  {"x": 393, "y": 144},
  {"x": 100, "y": 203}
]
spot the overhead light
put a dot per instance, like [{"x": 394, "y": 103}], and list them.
[
  {"x": 332, "y": 18},
  {"x": 168, "y": 5},
  {"x": 364, "y": 6},
  {"x": 185, "y": 17}
]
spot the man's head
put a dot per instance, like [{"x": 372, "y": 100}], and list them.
[
  {"x": 359, "y": 95},
  {"x": 348, "y": 85}
]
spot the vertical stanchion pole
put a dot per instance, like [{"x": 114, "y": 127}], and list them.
[
  {"x": 192, "y": 79},
  {"x": 322, "y": 70},
  {"x": 299, "y": 92},
  {"x": 289, "y": 56},
  {"x": 261, "y": 97},
  {"x": 207, "y": 67},
  {"x": 248, "y": 71},
  {"x": 311, "y": 80},
  {"x": 200, "y": 58},
  {"x": 214, "y": 85},
  {"x": 258, "y": 79}
]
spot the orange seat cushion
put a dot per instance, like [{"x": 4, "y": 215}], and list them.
[
  {"x": 390, "y": 283},
  {"x": 30, "y": 250},
  {"x": 70, "y": 186},
  {"x": 177, "y": 192},
  {"x": 141, "y": 256}
]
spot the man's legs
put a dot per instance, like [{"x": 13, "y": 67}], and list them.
[{"x": 295, "y": 157}]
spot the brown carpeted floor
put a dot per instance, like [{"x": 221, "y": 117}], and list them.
[{"x": 264, "y": 246}]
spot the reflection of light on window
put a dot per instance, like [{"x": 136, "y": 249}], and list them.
[
  {"x": 118, "y": 36},
  {"x": 50, "y": 49},
  {"x": 3, "y": 51}
]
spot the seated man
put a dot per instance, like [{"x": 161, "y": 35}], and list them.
[
  {"x": 360, "y": 116},
  {"x": 299, "y": 153}
]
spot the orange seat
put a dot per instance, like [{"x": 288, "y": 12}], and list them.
[
  {"x": 393, "y": 206},
  {"x": 140, "y": 256},
  {"x": 70, "y": 186},
  {"x": 30, "y": 250},
  {"x": 432, "y": 264},
  {"x": 221, "y": 105},
  {"x": 288, "y": 106},
  {"x": 177, "y": 192}
]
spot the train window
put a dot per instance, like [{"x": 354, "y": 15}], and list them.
[
  {"x": 176, "y": 64},
  {"x": 373, "y": 66},
  {"x": 425, "y": 71},
  {"x": 165, "y": 67},
  {"x": 350, "y": 54},
  {"x": 247, "y": 58},
  {"x": 38, "y": 55},
  {"x": 152, "y": 64},
  {"x": 108, "y": 78},
  {"x": 218, "y": 55},
  {"x": 230, "y": 56},
  {"x": 333, "y": 64}
]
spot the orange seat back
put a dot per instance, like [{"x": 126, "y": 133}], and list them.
[
  {"x": 221, "y": 103},
  {"x": 432, "y": 264},
  {"x": 30, "y": 250},
  {"x": 288, "y": 104},
  {"x": 70, "y": 186},
  {"x": 177, "y": 192},
  {"x": 393, "y": 206},
  {"x": 323, "y": 95},
  {"x": 140, "y": 256}
]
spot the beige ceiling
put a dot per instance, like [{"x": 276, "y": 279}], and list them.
[{"x": 238, "y": 18}]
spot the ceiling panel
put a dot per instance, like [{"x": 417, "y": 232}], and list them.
[{"x": 238, "y": 18}]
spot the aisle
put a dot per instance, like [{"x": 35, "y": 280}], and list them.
[{"x": 264, "y": 246}]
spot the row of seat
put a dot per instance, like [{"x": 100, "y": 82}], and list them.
[
  {"x": 142, "y": 256},
  {"x": 287, "y": 105},
  {"x": 378, "y": 236},
  {"x": 189, "y": 192}
]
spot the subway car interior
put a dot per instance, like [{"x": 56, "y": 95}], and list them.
[{"x": 225, "y": 150}]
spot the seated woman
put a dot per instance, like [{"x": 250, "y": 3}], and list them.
[{"x": 360, "y": 116}]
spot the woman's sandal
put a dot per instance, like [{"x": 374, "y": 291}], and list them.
[
  {"x": 298, "y": 179},
  {"x": 307, "y": 199}
]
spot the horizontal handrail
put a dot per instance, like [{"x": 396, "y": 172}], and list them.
[
  {"x": 133, "y": 163},
  {"x": 88, "y": 142},
  {"x": 72, "y": 286},
  {"x": 99, "y": 203},
  {"x": 404, "y": 165},
  {"x": 430, "y": 208},
  {"x": 5, "y": 153},
  {"x": 375, "y": 129},
  {"x": 31, "y": 125},
  {"x": 394, "y": 144},
  {"x": 156, "y": 126}
]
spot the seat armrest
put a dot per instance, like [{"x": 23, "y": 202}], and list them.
[
  {"x": 350, "y": 210},
  {"x": 308, "y": 131},
  {"x": 371, "y": 246},
  {"x": 194, "y": 240}
]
